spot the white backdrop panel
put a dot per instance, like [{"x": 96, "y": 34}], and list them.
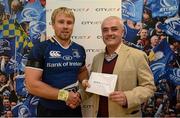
[{"x": 89, "y": 15}]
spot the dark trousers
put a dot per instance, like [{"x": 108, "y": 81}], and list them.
[{"x": 46, "y": 112}]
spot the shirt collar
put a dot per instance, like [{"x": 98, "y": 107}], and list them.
[
  {"x": 113, "y": 55},
  {"x": 116, "y": 51},
  {"x": 119, "y": 47},
  {"x": 62, "y": 45}
]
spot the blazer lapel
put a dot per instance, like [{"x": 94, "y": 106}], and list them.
[
  {"x": 100, "y": 63},
  {"x": 122, "y": 57}
]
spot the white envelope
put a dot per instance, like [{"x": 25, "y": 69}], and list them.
[{"x": 101, "y": 83}]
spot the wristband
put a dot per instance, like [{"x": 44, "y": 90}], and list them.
[{"x": 63, "y": 95}]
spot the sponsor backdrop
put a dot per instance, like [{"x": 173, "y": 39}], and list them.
[
  {"x": 87, "y": 31},
  {"x": 21, "y": 29},
  {"x": 89, "y": 15}
]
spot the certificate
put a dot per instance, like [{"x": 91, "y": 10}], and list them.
[{"x": 101, "y": 83}]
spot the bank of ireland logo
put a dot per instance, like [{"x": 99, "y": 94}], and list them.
[
  {"x": 67, "y": 57},
  {"x": 128, "y": 8},
  {"x": 55, "y": 54}
]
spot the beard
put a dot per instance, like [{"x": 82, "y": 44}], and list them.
[{"x": 64, "y": 37}]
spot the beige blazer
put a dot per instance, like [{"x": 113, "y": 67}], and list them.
[{"x": 134, "y": 78}]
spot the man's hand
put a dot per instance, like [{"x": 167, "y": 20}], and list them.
[
  {"x": 85, "y": 83},
  {"x": 118, "y": 97},
  {"x": 73, "y": 100}
]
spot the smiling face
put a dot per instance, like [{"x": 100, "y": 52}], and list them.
[
  {"x": 63, "y": 22},
  {"x": 154, "y": 40},
  {"x": 143, "y": 34},
  {"x": 63, "y": 26},
  {"x": 2, "y": 79},
  {"x": 112, "y": 31}
]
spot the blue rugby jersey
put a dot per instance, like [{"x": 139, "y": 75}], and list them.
[{"x": 60, "y": 66}]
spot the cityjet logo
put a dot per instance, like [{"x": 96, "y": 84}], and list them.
[
  {"x": 80, "y": 9},
  {"x": 80, "y": 37},
  {"x": 168, "y": 5},
  {"x": 49, "y": 10},
  {"x": 107, "y": 9},
  {"x": 55, "y": 54},
  {"x": 173, "y": 26},
  {"x": 174, "y": 23},
  {"x": 99, "y": 37},
  {"x": 128, "y": 8},
  {"x": 94, "y": 50},
  {"x": 91, "y": 22}
]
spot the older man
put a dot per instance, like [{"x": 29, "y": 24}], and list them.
[{"x": 135, "y": 82}]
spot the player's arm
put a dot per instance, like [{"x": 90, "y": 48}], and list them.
[
  {"x": 34, "y": 84},
  {"x": 34, "y": 75},
  {"x": 37, "y": 87},
  {"x": 83, "y": 74}
]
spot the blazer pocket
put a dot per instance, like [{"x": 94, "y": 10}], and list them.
[{"x": 134, "y": 112}]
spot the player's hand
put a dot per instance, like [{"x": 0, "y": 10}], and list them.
[
  {"x": 85, "y": 83},
  {"x": 73, "y": 100}
]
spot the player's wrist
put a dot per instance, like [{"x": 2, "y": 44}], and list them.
[
  {"x": 82, "y": 80},
  {"x": 63, "y": 95},
  {"x": 85, "y": 83}
]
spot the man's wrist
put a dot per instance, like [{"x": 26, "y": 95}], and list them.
[
  {"x": 63, "y": 95},
  {"x": 81, "y": 81},
  {"x": 84, "y": 80}
]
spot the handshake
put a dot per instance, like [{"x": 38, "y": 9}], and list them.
[{"x": 72, "y": 99}]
